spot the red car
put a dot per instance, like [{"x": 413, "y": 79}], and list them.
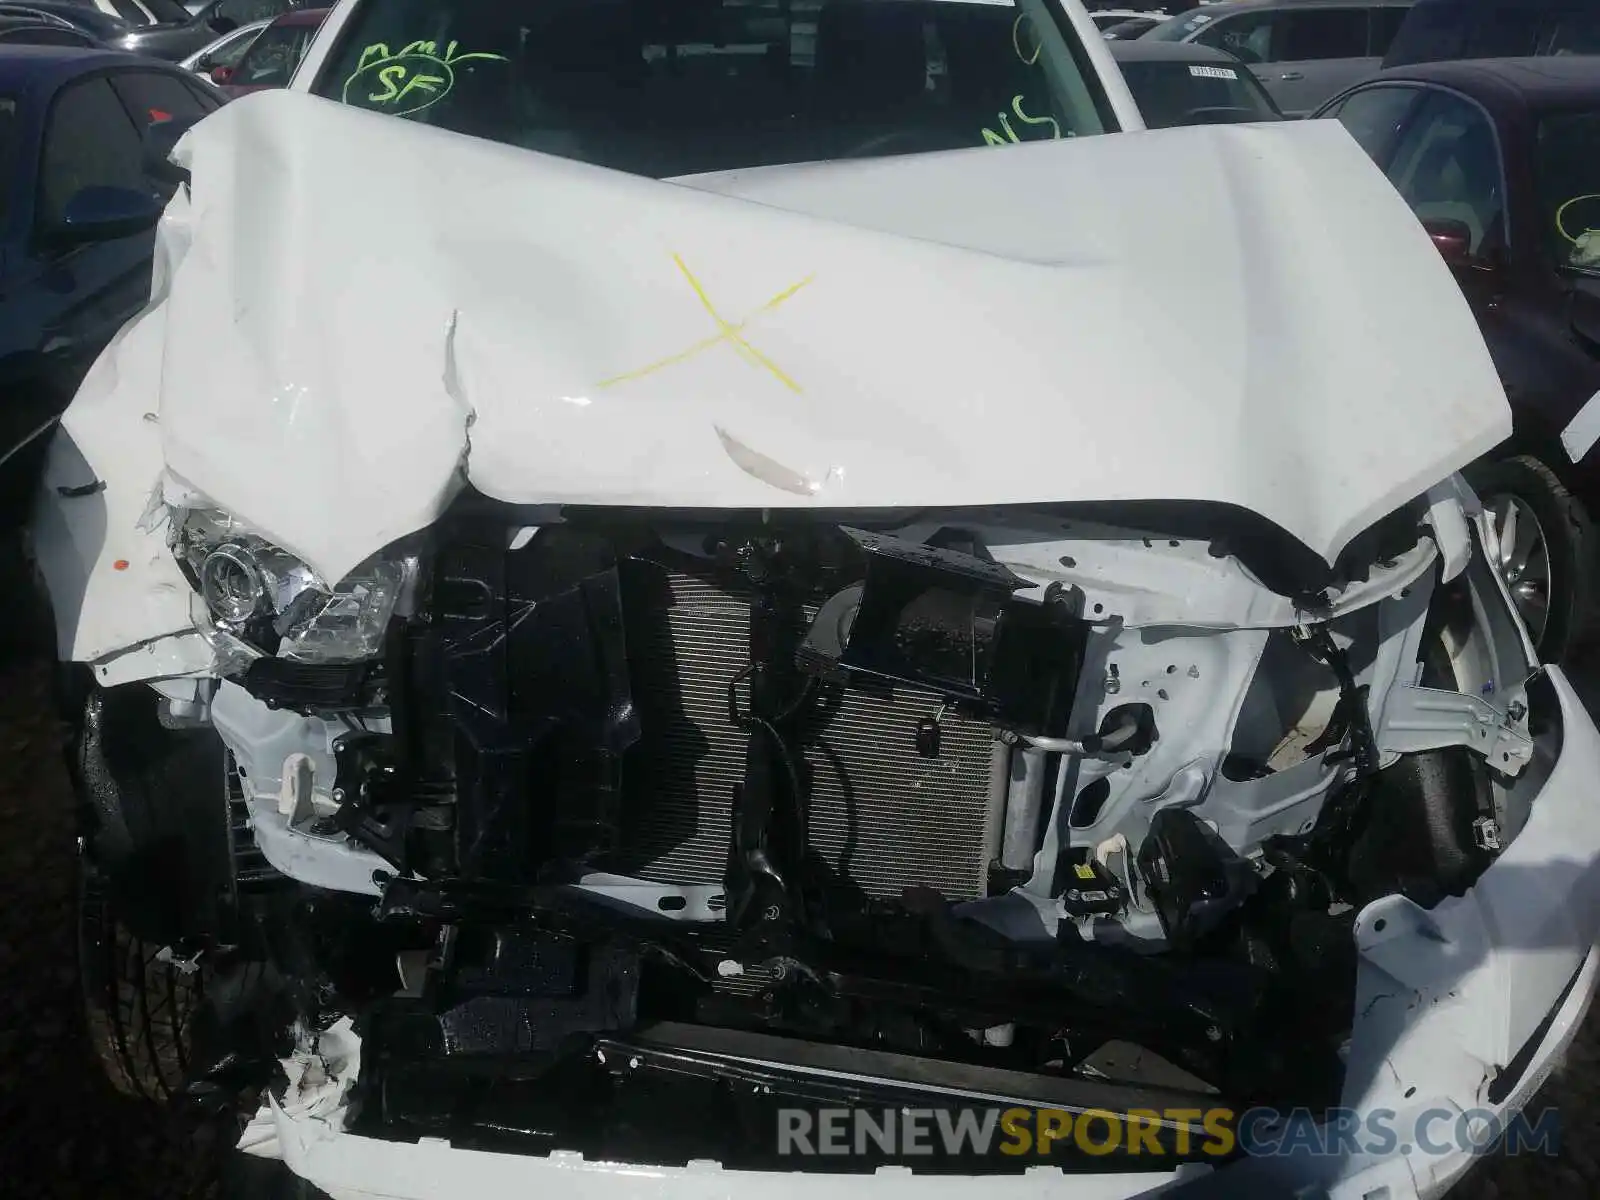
[{"x": 273, "y": 56}]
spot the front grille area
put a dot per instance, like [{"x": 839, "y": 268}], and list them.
[{"x": 878, "y": 813}]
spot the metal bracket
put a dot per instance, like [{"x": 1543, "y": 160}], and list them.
[{"x": 1419, "y": 718}]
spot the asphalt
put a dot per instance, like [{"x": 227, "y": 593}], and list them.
[{"x": 65, "y": 1133}]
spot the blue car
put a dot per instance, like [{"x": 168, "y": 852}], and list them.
[{"x": 77, "y": 213}]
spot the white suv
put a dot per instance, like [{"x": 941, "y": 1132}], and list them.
[{"x": 672, "y": 599}]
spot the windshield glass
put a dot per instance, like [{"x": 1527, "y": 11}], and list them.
[
  {"x": 679, "y": 87},
  {"x": 166, "y": 10},
  {"x": 1567, "y": 174},
  {"x": 272, "y": 57},
  {"x": 1179, "y": 28},
  {"x": 1209, "y": 93}
]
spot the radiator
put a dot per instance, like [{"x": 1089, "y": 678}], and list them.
[{"x": 877, "y": 812}]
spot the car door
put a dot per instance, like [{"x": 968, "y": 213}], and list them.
[
  {"x": 1318, "y": 52},
  {"x": 84, "y": 292}
]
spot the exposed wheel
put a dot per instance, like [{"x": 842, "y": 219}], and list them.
[
  {"x": 1542, "y": 544},
  {"x": 138, "y": 1006}
]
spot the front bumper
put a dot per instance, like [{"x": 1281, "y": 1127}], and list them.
[{"x": 1465, "y": 1008}]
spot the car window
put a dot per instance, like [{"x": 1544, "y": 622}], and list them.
[
  {"x": 1430, "y": 33},
  {"x": 245, "y": 11},
  {"x": 271, "y": 59},
  {"x": 128, "y": 11},
  {"x": 1198, "y": 93},
  {"x": 1181, "y": 28},
  {"x": 1254, "y": 37},
  {"x": 1447, "y": 166},
  {"x": 155, "y": 96},
  {"x": 1503, "y": 31},
  {"x": 166, "y": 10},
  {"x": 45, "y": 35},
  {"x": 1382, "y": 26},
  {"x": 1374, "y": 117},
  {"x": 1313, "y": 33},
  {"x": 678, "y": 89},
  {"x": 232, "y": 49},
  {"x": 1572, "y": 33},
  {"x": 89, "y": 141},
  {"x": 1566, "y": 162}
]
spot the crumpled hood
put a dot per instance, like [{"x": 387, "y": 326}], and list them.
[{"x": 361, "y": 308}]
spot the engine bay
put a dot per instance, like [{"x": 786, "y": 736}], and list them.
[{"x": 581, "y": 821}]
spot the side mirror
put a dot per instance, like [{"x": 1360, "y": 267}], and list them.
[
  {"x": 221, "y": 75},
  {"x": 1453, "y": 240},
  {"x": 223, "y": 24},
  {"x": 103, "y": 214},
  {"x": 159, "y": 139}
]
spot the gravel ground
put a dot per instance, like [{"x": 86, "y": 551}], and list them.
[{"x": 64, "y": 1132}]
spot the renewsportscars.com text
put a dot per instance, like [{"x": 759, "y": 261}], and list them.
[{"x": 1184, "y": 1133}]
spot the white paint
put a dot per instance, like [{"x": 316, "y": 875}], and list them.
[
  {"x": 973, "y": 333},
  {"x": 1580, "y": 435}
]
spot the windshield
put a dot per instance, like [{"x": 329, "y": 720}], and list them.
[
  {"x": 272, "y": 57},
  {"x": 1209, "y": 93},
  {"x": 166, "y": 10},
  {"x": 1567, "y": 175},
  {"x": 679, "y": 87},
  {"x": 1179, "y": 28}
]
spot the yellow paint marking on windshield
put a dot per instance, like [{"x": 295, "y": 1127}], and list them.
[
  {"x": 992, "y": 138},
  {"x": 1016, "y": 40},
  {"x": 1016, "y": 107},
  {"x": 410, "y": 81},
  {"x": 731, "y": 332},
  {"x": 1561, "y": 219}
]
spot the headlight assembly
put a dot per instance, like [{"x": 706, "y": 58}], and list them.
[{"x": 254, "y": 600}]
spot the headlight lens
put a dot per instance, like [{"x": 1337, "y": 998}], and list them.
[{"x": 255, "y": 600}]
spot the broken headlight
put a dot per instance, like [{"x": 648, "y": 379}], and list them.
[{"x": 254, "y": 600}]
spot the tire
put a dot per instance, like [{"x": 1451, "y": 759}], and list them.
[
  {"x": 138, "y": 1008},
  {"x": 1569, "y": 539}
]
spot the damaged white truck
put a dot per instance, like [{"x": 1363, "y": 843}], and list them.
[{"x": 652, "y": 566}]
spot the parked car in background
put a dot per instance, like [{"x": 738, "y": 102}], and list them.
[
  {"x": 271, "y": 58},
  {"x": 226, "y": 51},
  {"x": 1133, "y": 27},
  {"x": 1303, "y": 51},
  {"x": 1500, "y": 159},
  {"x": 1105, "y": 18},
  {"x": 178, "y": 39},
  {"x": 1189, "y": 84},
  {"x": 76, "y": 213},
  {"x": 1437, "y": 30},
  {"x": 103, "y": 27},
  {"x": 41, "y": 30},
  {"x": 141, "y": 12}
]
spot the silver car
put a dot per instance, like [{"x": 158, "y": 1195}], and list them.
[{"x": 1303, "y": 51}]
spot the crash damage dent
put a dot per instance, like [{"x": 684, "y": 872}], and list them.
[{"x": 660, "y": 344}]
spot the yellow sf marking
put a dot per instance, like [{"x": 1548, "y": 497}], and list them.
[{"x": 731, "y": 332}]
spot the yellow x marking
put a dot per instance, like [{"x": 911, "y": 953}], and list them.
[{"x": 731, "y": 332}]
